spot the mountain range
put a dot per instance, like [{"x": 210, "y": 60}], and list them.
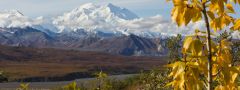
[
  {"x": 124, "y": 45},
  {"x": 92, "y": 27}
]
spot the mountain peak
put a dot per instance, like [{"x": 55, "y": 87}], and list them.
[
  {"x": 92, "y": 17},
  {"x": 106, "y": 9},
  {"x": 110, "y": 5},
  {"x": 121, "y": 12}
]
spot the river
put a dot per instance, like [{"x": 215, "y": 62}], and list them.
[{"x": 51, "y": 85}]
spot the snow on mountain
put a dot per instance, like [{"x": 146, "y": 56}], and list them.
[
  {"x": 112, "y": 19},
  {"x": 94, "y": 17},
  {"x": 109, "y": 18},
  {"x": 104, "y": 20},
  {"x": 14, "y": 18}
]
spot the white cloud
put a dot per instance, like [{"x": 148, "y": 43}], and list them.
[
  {"x": 157, "y": 24},
  {"x": 13, "y": 18}
]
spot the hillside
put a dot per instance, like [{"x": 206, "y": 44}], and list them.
[{"x": 32, "y": 63}]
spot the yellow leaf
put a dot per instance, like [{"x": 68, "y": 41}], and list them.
[
  {"x": 211, "y": 15},
  {"x": 197, "y": 16},
  {"x": 236, "y": 25},
  {"x": 24, "y": 86},
  {"x": 230, "y": 8},
  {"x": 193, "y": 45},
  {"x": 234, "y": 77},
  {"x": 196, "y": 47},
  {"x": 217, "y": 6},
  {"x": 221, "y": 6},
  {"x": 216, "y": 24},
  {"x": 204, "y": 1},
  {"x": 177, "y": 15},
  {"x": 179, "y": 2},
  {"x": 186, "y": 44},
  {"x": 187, "y": 15}
]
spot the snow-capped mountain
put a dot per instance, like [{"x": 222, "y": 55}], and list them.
[
  {"x": 110, "y": 20},
  {"x": 92, "y": 17},
  {"x": 105, "y": 20},
  {"x": 106, "y": 28}
]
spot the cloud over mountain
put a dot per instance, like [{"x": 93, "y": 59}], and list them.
[
  {"x": 113, "y": 19},
  {"x": 106, "y": 18},
  {"x": 14, "y": 18}
]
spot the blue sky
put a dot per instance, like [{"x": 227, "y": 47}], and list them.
[{"x": 50, "y": 8}]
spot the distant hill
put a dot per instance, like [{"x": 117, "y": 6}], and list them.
[{"x": 35, "y": 64}]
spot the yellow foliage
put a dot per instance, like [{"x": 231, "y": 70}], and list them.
[
  {"x": 186, "y": 76},
  {"x": 193, "y": 46},
  {"x": 23, "y": 86},
  {"x": 71, "y": 86},
  {"x": 187, "y": 72},
  {"x": 230, "y": 8},
  {"x": 183, "y": 12},
  {"x": 220, "y": 22},
  {"x": 236, "y": 25},
  {"x": 211, "y": 15},
  {"x": 217, "y": 6},
  {"x": 101, "y": 75}
]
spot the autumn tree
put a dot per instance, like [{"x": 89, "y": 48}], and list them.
[
  {"x": 206, "y": 64},
  {"x": 173, "y": 45}
]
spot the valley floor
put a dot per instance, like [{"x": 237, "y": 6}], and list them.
[
  {"x": 46, "y": 64},
  {"x": 53, "y": 85}
]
